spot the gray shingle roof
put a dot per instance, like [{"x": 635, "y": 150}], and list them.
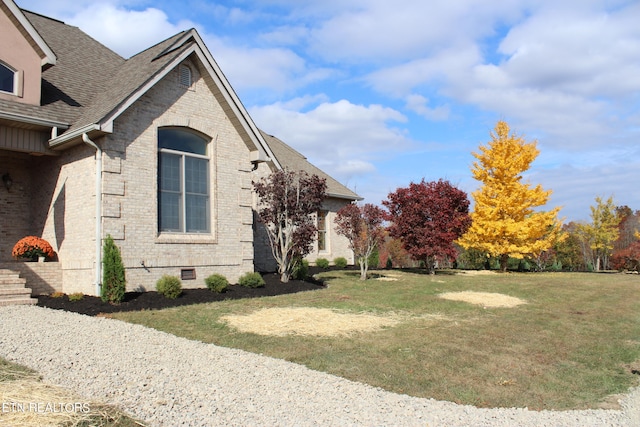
[
  {"x": 127, "y": 79},
  {"x": 82, "y": 71},
  {"x": 293, "y": 160}
]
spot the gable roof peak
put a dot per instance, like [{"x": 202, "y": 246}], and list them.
[{"x": 48, "y": 58}]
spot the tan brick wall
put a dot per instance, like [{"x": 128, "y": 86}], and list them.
[
  {"x": 52, "y": 198},
  {"x": 337, "y": 246},
  {"x": 68, "y": 219},
  {"x": 130, "y": 188},
  {"x": 43, "y": 278},
  {"x": 15, "y": 204}
]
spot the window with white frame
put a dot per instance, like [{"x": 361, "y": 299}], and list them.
[
  {"x": 7, "y": 79},
  {"x": 183, "y": 181},
  {"x": 322, "y": 231}
]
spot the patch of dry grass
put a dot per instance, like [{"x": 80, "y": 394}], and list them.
[
  {"x": 321, "y": 322},
  {"x": 28, "y": 402},
  {"x": 485, "y": 299}
]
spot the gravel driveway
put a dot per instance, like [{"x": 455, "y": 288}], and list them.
[{"x": 165, "y": 380}]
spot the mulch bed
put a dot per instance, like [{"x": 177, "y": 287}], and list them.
[{"x": 136, "y": 301}]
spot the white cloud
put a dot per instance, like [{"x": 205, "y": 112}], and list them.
[
  {"x": 126, "y": 31},
  {"x": 381, "y": 31},
  {"x": 581, "y": 51},
  {"x": 277, "y": 70},
  {"x": 342, "y": 138},
  {"x": 420, "y": 105}
]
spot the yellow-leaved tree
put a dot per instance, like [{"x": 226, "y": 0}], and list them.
[
  {"x": 601, "y": 233},
  {"x": 504, "y": 223}
]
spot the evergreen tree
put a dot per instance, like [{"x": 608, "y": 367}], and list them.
[
  {"x": 113, "y": 276},
  {"x": 504, "y": 223}
]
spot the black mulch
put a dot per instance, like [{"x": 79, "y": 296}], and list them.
[{"x": 136, "y": 301}]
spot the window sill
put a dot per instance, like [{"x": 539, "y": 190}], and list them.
[{"x": 181, "y": 238}]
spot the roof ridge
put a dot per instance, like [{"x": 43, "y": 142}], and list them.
[
  {"x": 176, "y": 35},
  {"x": 44, "y": 16}
]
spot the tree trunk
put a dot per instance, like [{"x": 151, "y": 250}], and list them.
[
  {"x": 430, "y": 264},
  {"x": 504, "y": 259},
  {"x": 364, "y": 266}
]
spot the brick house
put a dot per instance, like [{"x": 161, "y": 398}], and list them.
[{"x": 163, "y": 141}]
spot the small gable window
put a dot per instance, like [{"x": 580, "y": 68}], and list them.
[
  {"x": 183, "y": 181},
  {"x": 7, "y": 79},
  {"x": 185, "y": 76}
]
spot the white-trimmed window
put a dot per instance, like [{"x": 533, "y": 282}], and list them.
[
  {"x": 183, "y": 181},
  {"x": 8, "y": 79},
  {"x": 322, "y": 231}
]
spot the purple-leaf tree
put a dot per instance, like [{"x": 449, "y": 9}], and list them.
[
  {"x": 428, "y": 217},
  {"x": 362, "y": 226},
  {"x": 287, "y": 202}
]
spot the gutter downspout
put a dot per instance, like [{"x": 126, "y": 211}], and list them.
[{"x": 98, "y": 279}]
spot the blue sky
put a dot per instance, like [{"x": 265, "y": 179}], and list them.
[{"x": 380, "y": 93}]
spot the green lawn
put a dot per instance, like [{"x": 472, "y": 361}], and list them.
[{"x": 571, "y": 346}]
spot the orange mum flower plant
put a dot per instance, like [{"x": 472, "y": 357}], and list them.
[{"x": 31, "y": 247}]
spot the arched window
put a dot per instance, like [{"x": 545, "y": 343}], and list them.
[
  {"x": 183, "y": 181},
  {"x": 7, "y": 79}
]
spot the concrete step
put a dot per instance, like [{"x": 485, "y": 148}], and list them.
[
  {"x": 13, "y": 289},
  {"x": 22, "y": 301},
  {"x": 7, "y": 292},
  {"x": 12, "y": 281}
]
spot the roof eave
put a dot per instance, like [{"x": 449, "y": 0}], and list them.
[
  {"x": 345, "y": 197},
  {"x": 37, "y": 121},
  {"x": 74, "y": 137}
]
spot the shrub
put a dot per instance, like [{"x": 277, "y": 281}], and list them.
[
  {"x": 169, "y": 286},
  {"x": 57, "y": 294},
  {"x": 217, "y": 283},
  {"x": 77, "y": 296},
  {"x": 113, "y": 277},
  {"x": 341, "y": 262},
  {"x": 627, "y": 259},
  {"x": 374, "y": 259},
  {"x": 301, "y": 270},
  {"x": 251, "y": 280},
  {"x": 32, "y": 247},
  {"x": 322, "y": 263}
]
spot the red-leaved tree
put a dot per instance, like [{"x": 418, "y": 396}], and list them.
[
  {"x": 428, "y": 217},
  {"x": 362, "y": 226},
  {"x": 628, "y": 258},
  {"x": 287, "y": 202}
]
